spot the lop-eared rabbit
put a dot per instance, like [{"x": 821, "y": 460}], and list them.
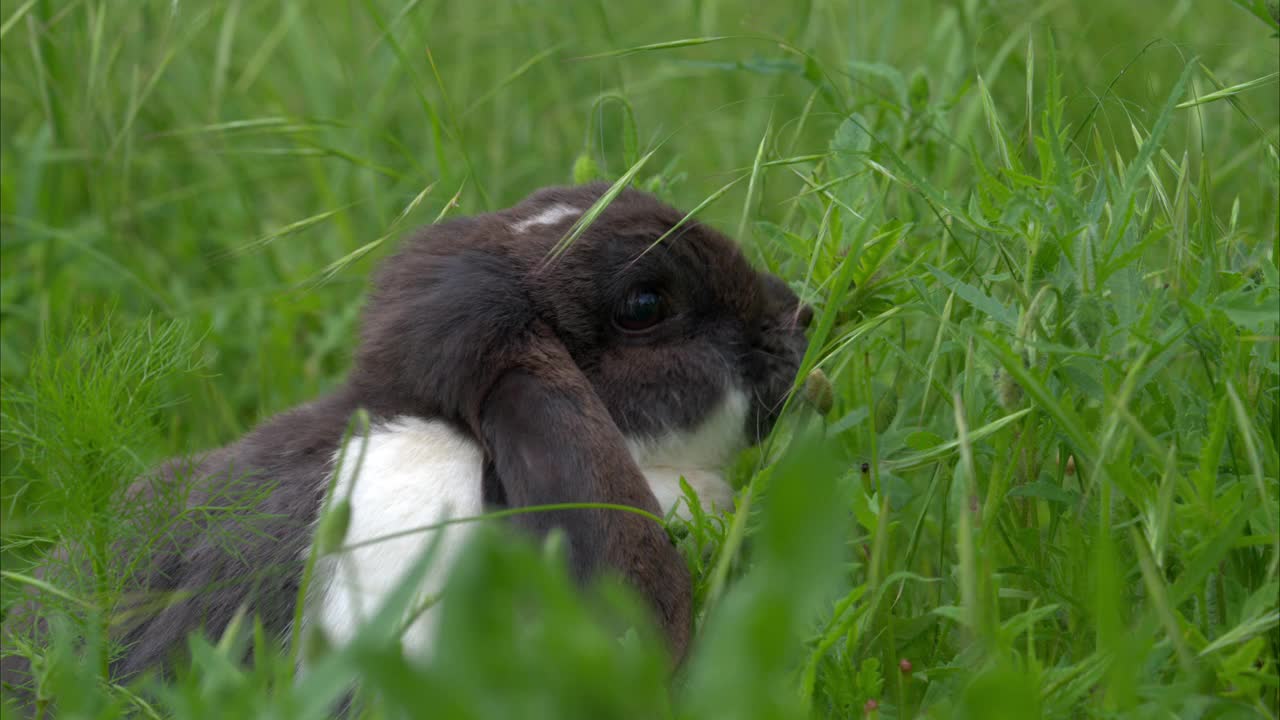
[{"x": 500, "y": 370}]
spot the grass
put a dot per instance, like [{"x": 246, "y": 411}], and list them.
[{"x": 1041, "y": 238}]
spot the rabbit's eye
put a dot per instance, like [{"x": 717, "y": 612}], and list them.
[{"x": 640, "y": 310}]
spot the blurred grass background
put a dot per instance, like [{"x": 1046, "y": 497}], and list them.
[{"x": 1052, "y": 337}]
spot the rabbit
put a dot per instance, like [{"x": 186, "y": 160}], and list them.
[{"x": 499, "y": 374}]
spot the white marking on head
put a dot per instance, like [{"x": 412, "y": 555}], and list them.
[
  {"x": 550, "y": 216},
  {"x": 698, "y": 455},
  {"x": 415, "y": 473}
]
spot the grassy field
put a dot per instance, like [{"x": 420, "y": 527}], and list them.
[{"x": 1041, "y": 238}]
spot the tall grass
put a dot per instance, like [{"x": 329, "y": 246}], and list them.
[{"x": 1041, "y": 238}]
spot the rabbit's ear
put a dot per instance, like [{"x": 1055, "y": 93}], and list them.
[{"x": 551, "y": 440}]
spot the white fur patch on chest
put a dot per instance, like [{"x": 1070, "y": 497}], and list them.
[
  {"x": 415, "y": 473},
  {"x": 698, "y": 456}
]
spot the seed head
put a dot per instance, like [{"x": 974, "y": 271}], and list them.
[
  {"x": 333, "y": 527},
  {"x": 585, "y": 169},
  {"x": 817, "y": 391}
]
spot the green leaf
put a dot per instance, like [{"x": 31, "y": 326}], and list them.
[
  {"x": 850, "y": 145},
  {"x": 984, "y": 303},
  {"x": 1045, "y": 490}
]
